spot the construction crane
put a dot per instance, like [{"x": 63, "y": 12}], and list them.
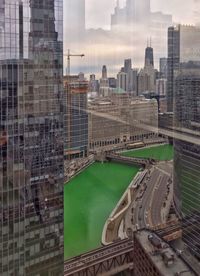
[{"x": 69, "y": 55}]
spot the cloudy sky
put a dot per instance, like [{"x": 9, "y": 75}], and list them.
[
  {"x": 184, "y": 11},
  {"x": 99, "y": 48}
]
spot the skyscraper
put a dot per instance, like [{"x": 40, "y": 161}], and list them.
[
  {"x": 129, "y": 72},
  {"x": 122, "y": 81},
  {"x": 163, "y": 67},
  {"x": 149, "y": 59},
  {"x": 104, "y": 83},
  {"x": 183, "y": 46},
  {"x": 187, "y": 154},
  {"x": 146, "y": 76},
  {"x": 173, "y": 63},
  {"x": 104, "y": 72},
  {"x": 31, "y": 138}
]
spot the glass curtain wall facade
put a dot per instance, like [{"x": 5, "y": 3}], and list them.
[
  {"x": 31, "y": 137},
  {"x": 186, "y": 87}
]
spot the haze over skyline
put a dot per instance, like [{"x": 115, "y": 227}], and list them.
[
  {"x": 97, "y": 16},
  {"x": 102, "y": 47}
]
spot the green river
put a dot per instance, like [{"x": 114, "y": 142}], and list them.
[
  {"x": 90, "y": 197},
  {"x": 162, "y": 152}
]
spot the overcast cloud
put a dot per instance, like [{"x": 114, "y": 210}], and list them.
[
  {"x": 98, "y": 12},
  {"x": 101, "y": 48}
]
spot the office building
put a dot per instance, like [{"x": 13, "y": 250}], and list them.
[
  {"x": 106, "y": 131},
  {"x": 127, "y": 65},
  {"x": 133, "y": 81},
  {"x": 163, "y": 67},
  {"x": 161, "y": 87},
  {"x": 122, "y": 81},
  {"x": 76, "y": 121},
  {"x": 112, "y": 82},
  {"x": 31, "y": 135},
  {"x": 130, "y": 77},
  {"x": 93, "y": 84}
]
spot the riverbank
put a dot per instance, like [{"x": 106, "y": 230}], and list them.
[{"x": 89, "y": 199}]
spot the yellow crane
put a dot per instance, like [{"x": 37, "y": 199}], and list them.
[{"x": 69, "y": 55}]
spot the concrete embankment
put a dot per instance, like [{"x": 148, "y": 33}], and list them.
[{"x": 112, "y": 225}]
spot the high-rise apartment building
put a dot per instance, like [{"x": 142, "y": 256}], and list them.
[
  {"x": 31, "y": 138},
  {"x": 183, "y": 46}
]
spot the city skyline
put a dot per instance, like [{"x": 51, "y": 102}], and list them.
[{"x": 103, "y": 46}]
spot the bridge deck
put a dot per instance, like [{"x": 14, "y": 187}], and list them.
[{"x": 99, "y": 256}]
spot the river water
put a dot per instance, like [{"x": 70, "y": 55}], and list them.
[{"x": 89, "y": 200}]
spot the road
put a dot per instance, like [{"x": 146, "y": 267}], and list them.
[{"x": 152, "y": 195}]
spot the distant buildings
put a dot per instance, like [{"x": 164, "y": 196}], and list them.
[
  {"x": 93, "y": 85},
  {"x": 161, "y": 87},
  {"x": 104, "y": 83},
  {"x": 112, "y": 82},
  {"x": 136, "y": 17},
  {"x": 163, "y": 67},
  {"x": 146, "y": 76},
  {"x": 122, "y": 81},
  {"x": 127, "y": 78}
]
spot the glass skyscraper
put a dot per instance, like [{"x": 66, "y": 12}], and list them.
[
  {"x": 186, "y": 107},
  {"x": 31, "y": 137}
]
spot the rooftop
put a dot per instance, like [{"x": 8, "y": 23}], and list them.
[{"x": 162, "y": 255}]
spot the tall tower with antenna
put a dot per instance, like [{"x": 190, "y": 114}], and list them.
[{"x": 149, "y": 56}]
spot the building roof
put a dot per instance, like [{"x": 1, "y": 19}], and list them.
[{"x": 162, "y": 255}]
